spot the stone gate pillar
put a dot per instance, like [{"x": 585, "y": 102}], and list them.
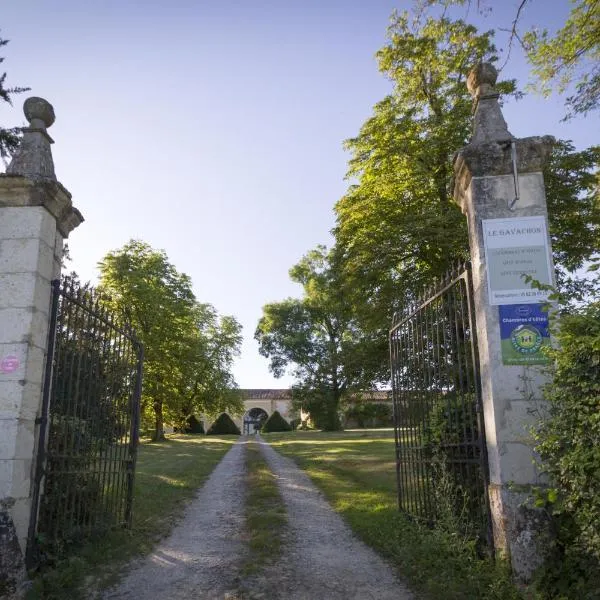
[
  {"x": 36, "y": 214},
  {"x": 500, "y": 188}
]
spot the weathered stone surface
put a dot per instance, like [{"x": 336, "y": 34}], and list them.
[
  {"x": 485, "y": 188},
  {"x": 485, "y": 159},
  {"x": 19, "y": 191},
  {"x": 12, "y": 568},
  {"x": 39, "y": 112},
  {"x": 38, "y": 224},
  {"x": 523, "y": 528},
  {"x": 33, "y": 157}
]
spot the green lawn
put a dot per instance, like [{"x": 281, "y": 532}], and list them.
[
  {"x": 265, "y": 512},
  {"x": 356, "y": 471},
  {"x": 167, "y": 474}
]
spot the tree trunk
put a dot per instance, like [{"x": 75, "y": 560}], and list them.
[
  {"x": 331, "y": 417},
  {"x": 159, "y": 426}
]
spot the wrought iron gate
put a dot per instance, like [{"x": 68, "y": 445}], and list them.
[
  {"x": 89, "y": 423},
  {"x": 441, "y": 460}
]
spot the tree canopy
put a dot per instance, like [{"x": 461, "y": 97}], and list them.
[
  {"x": 564, "y": 61},
  {"x": 397, "y": 226},
  {"x": 569, "y": 56},
  {"x": 317, "y": 338},
  {"x": 189, "y": 349}
]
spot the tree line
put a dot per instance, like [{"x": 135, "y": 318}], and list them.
[
  {"x": 397, "y": 228},
  {"x": 189, "y": 349}
]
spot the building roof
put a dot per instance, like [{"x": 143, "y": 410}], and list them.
[
  {"x": 286, "y": 394},
  {"x": 277, "y": 394}
]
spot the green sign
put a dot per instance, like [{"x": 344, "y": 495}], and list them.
[{"x": 524, "y": 334}]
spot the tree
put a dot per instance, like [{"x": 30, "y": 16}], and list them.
[
  {"x": 573, "y": 197},
  {"x": 568, "y": 443},
  {"x": 397, "y": 226},
  {"x": 398, "y": 229},
  {"x": 206, "y": 383},
  {"x": 317, "y": 337},
  {"x": 571, "y": 55},
  {"x": 568, "y": 57},
  {"x": 188, "y": 351},
  {"x": 9, "y": 138}
]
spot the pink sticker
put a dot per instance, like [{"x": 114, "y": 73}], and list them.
[{"x": 9, "y": 364}]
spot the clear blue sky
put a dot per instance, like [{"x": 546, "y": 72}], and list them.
[{"x": 213, "y": 129}]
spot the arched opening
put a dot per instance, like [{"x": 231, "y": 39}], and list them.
[{"x": 254, "y": 419}]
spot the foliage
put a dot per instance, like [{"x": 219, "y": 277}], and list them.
[
  {"x": 573, "y": 197},
  {"x": 397, "y": 226},
  {"x": 572, "y": 54},
  {"x": 9, "y": 138},
  {"x": 224, "y": 425},
  {"x": 369, "y": 414},
  {"x": 568, "y": 442},
  {"x": 193, "y": 425},
  {"x": 449, "y": 440},
  {"x": 317, "y": 337},
  {"x": 275, "y": 422},
  {"x": 189, "y": 350},
  {"x": 357, "y": 472},
  {"x": 559, "y": 61}
]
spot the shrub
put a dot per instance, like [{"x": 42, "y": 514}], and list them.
[
  {"x": 568, "y": 442},
  {"x": 193, "y": 425},
  {"x": 224, "y": 425},
  {"x": 448, "y": 442},
  {"x": 276, "y": 423},
  {"x": 370, "y": 414}
]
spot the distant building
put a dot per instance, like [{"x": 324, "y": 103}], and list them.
[{"x": 260, "y": 404}]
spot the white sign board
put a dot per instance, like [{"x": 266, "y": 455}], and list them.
[{"x": 515, "y": 248}]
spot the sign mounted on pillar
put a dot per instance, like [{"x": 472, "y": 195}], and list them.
[
  {"x": 524, "y": 334},
  {"x": 516, "y": 249}
]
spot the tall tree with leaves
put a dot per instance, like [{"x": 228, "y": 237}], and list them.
[
  {"x": 178, "y": 333},
  {"x": 317, "y": 338},
  {"x": 564, "y": 61},
  {"x": 398, "y": 229},
  {"x": 570, "y": 56},
  {"x": 9, "y": 137},
  {"x": 397, "y": 226}
]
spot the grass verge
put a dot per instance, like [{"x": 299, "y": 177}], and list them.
[
  {"x": 167, "y": 475},
  {"x": 265, "y": 512},
  {"x": 356, "y": 471}
]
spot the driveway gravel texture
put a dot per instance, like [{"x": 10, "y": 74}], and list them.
[
  {"x": 321, "y": 558},
  {"x": 201, "y": 556}
]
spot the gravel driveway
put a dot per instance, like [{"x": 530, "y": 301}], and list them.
[
  {"x": 199, "y": 560},
  {"x": 322, "y": 559}
]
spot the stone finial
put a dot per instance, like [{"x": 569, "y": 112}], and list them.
[
  {"x": 488, "y": 124},
  {"x": 33, "y": 158},
  {"x": 39, "y": 112},
  {"x": 482, "y": 79}
]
